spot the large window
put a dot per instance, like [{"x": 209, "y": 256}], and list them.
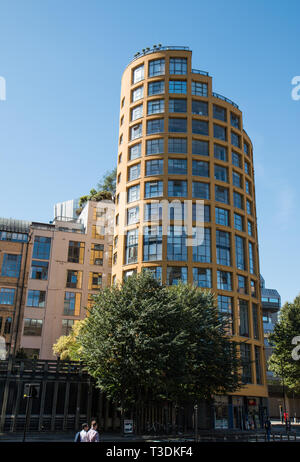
[
  {"x": 220, "y": 152},
  {"x": 221, "y": 194},
  {"x": 177, "y": 125},
  {"x": 176, "y": 274},
  {"x": 177, "y": 145},
  {"x": 177, "y": 86},
  {"x": 235, "y": 139},
  {"x": 177, "y": 105},
  {"x": 239, "y": 252},
  {"x": 133, "y": 193},
  {"x": 222, "y": 216},
  {"x": 76, "y": 252},
  {"x": 177, "y": 188},
  {"x": 221, "y": 173},
  {"x": 74, "y": 279},
  {"x": 200, "y": 147},
  {"x": 133, "y": 215},
  {"x": 33, "y": 327},
  {"x": 153, "y": 211},
  {"x": 155, "y": 146},
  {"x": 96, "y": 257},
  {"x": 238, "y": 222},
  {"x": 7, "y": 296},
  {"x": 219, "y": 132},
  {"x": 236, "y": 180},
  {"x": 224, "y": 280},
  {"x": 245, "y": 350},
  {"x": 257, "y": 365},
  {"x": 219, "y": 113},
  {"x": 152, "y": 243},
  {"x": 156, "y": 67},
  {"x": 137, "y": 94},
  {"x": 36, "y": 298},
  {"x": 153, "y": 189},
  {"x": 137, "y": 112},
  {"x": 223, "y": 248},
  {"x": 235, "y": 120},
  {"x": 251, "y": 258},
  {"x": 242, "y": 284},
  {"x": 72, "y": 303},
  {"x": 197, "y": 213},
  {"x": 244, "y": 318},
  {"x": 41, "y": 247},
  {"x": 199, "y": 89},
  {"x": 225, "y": 307},
  {"x": 11, "y": 265},
  {"x": 199, "y": 107},
  {"x": 200, "y": 168},
  {"x": 134, "y": 172},
  {"x": 156, "y": 106},
  {"x": 176, "y": 243},
  {"x": 67, "y": 325},
  {"x": 39, "y": 270},
  {"x": 177, "y": 166},
  {"x": 95, "y": 281},
  {"x": 200, "y": 190},
  {"x": 131, "y": 246},
  {"x": 236, "y": 159},
  {"x": 255, "y": 321},
  {"x": 138, "y": 74},
  {"x": 136, "y": 131},
  {"x": 200, "y": 127},
  {"x": 154, "y": 167},
  {"x": 155, "y": 271},
  {"x": 156, "y": 88},
  {"x": 135, "y": 151},
  {"x": 178, "y": 66},
  {"x": 202, "y": 245},
  {"x": 202, "y": 277},
  {"x": 155, "y": 126},
  {"x": 238, "y": 200}
]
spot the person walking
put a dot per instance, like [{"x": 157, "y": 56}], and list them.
[
  {"x": 268, "y": 427},
  {"x": 93, "y": 434},
  {"x": 81, "y": 437}
]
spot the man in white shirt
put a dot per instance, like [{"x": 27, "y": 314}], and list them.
[{"x": 84, "y": 433}]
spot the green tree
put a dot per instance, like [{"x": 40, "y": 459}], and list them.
[
  {"x": 282, "y": 362},
  {"x": 67, "y": 347},
  {"x": 145, "y": 341},
  {"x": 108, "y": 182}
]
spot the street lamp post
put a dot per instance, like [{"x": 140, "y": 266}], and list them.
[
  {"x": 283, "y": 393},
  {"x": 196, "y": 421}
]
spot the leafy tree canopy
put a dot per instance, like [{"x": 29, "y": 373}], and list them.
[
  {"x": 67, "y": 346},
  {"x": 108, "y": 182}
]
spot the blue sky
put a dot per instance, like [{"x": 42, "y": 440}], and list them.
[{"x": 63, "y": 61}]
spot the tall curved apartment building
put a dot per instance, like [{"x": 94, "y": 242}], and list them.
[{"x": 178, "y": 140}]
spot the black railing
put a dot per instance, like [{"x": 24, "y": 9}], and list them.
[
  {"x": 147, "y": 51},
  {"x": 197, "y": 71},
  {"x": 223, "y": 98}
]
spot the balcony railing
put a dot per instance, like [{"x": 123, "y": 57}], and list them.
[
  {"x": 197, "y": 71},
  {"x": 147, "y": 51},
  {"x": 223, "y": 98}
]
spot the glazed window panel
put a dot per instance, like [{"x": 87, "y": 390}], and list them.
[
  {"x": 154, "y": 167},
  {"x": 225, "y": 307},
  {"x": 177, "y": 125},
  {"x": 176, "y": 274},
  {"x": 137, "y": 112},
  {"x": 202, "y": 277},
  {"x": 249, "y": 207},
  {"x": 135, "y": 131},
  {"x": 251, "y": 258},
  {"x": 250, "y": 228},
  {"x": 135, "y": 151},
  {"x": 220, "y": 152},
  {"x": 238, "y": 222},
  {"x": 98, "y": 232},
  {"x": 220, "y": 132},
  {"x": 33, "y": 327},
  {"x": 178, "y": 66},
  {"x": 95, "y": 281},
  {"x": 177, "y": 188},
  {"x": 39, "y": 270},
  {"x": 41, "y": 247},
  {"x": 156, "y": 106},
  {"x": 236, "y": 179},
  {"x": 67, "y": 325},
  {"x": 240, "y": 252},
  {"x": 222, "y": 216},
  {"x": 236, "y": 159},
  {"x": 156, "y": 67},
  {"x": 153, "y": 211},
  {"x": 221, "y": 194},
  {"x": 198, "y": 215},
  {"x": 234, "y": 120},
  {"x": 131, "y": 251},
  {"x": 138, "y": 74},
  {"x": 243, "y": 318},
  {"x": 224, "y": 280},
  {"x": 11, "y": 265},
  {"x": 176, "y": 243},
  {"x": 72, "y": 304},
  {"x": 202, "y": 245},
  {"x": 238, "y": 200},
  {"x": 156, "y": 88},
  {"x": 242, "y": 284},
  {"x": 199, "y": 89},
  {"x": 155, "y": 271},
  {"x": 235, "y": 139},
  {"x": 155, "y": 126},
  {"x": 177, "y": 86},
  {"x": 7, "y": 296},
  {"x": 246, "y": 148},
  {"x": 200, "y": 127},
  {"x": 97, "y": 251},
  {"x": 177, "y": 166},
  {"x": 200, "y": 168},
  {"x": 221, "y": 173},
  {"x": 200, "y": 147},
  {"x": 133, "y": 193},
  {"x": 200, "y": 190},
  {"x": 74, "y": 279},
  {"x": 223, "y": 248},
  {"x": 258, "y": 365},
  {"x": 8, "y": 325},
  {"x": 199, "y": 107},
  {"x": 219, "y": 113},
  {"x": 177, "y": 105},
  {"x": 155, "y": 146},
  {"x": 152, "y": 243},
  {"x": 153, "y": 189},
  {"x": 177, "y": 145},
  {"x": 245, "y": 351},
  {"x": 36, "y": 298},
  {"x": 137, "y": 94},
  {"x": 134, "y": 172},
  {"x": 255, "y": 321}
]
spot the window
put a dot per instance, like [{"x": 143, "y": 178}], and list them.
[
  {"x": 236, "y": 179},
  {"x": 219, "y": 113},
  {"x": 198, "y": 215},
  {"x": 200, "y": 168},
  {"x": 199, "y": 107},
  {"x": 137, "y": 93},
  {"x": 222, "y": 217},
  {"x": 155, "y": 146},
  {"x": 257, "y": 365},
  {"x": 176, "y": 243},
  {"x": 177, "y": 166},
  {"x": 133, "y": 193},
  {"x": 223, "y": 248},
  {"x": 138, "y": 74},
  {"x": 253, "y": 288},
  {"x": 36, "y": 298},
  {"x": 251, "y": 258},
  {"x": 246, "y": 148},
  {"x": 132, "y": 215},
  {"x": 249, "y": 207},
  {"x": 155, "y": 126},
  {"x": 177, "y": 86},
  {"x": 98, "y": 232},
  {"x": 96, "y": 257},
  {"x": 153, "y": 189},
  {"x": 177, "y": 125},
  {"x": 199, "y": 89},
  {"x": 202, "y": 277},
  {"x": 39, "y": 270},
  {"x": 224, "y": 280},
  {"x": 238, "y": 200},
  {"x": 11, "y": 265},
  {"x": 221, "y": 194},
  {"x": 236, "y": 159},
  {"x": 135, "y": 151},
  {"x": 121, "y": 139},
  {"x": 225, "y": 307},
  {"x": 131, "y": 250},
  {"x": 152, "y": 247},
  {"x": 153, "y": 211},
  {"x": 176, "y": 274},
  {"x": 156, "y": 106},
  {"x": 74, "y": 279},
  {"x": 239, "y": 252},
  {"x": 137, "y": 112},
  {"x": 221, "y": 173},
  {"x": 135, "y": 131},
  {"x": 134, "y": 172},
  {"x": 200, "y": 147},
  {"x": 72, "y": 303},
  {"x": 154, "y": 167},
  {"x": 155, "y": 271},
  {"x": 199, "y": 127},
  {"x": 219, "y": 132},
  {"x": 244, "y": 318},
  {"x": 220, "y": 152},
  {"x": 250, "y": 230},
  {"x": 238, "y": 222},
  {"x": 177, "y": 210},
  {"x": 67, "y": 325},
  {"x": 156, "y": 67},
  {"x": 177, "y": 105},
  {"x": 178, "y": 66},
  {"x": 242, "y": 284},
  {"x": 156, "y": 88},
  {"x": 33, "y": 327},
  {"x": 235, "y": 120},
  {"x": 123, "y": 102},
  {"x": 177, "y": 145},
  {"x": 248, "y": 187},
  {"x": 235, "y": 139},
  {"x": 202, "y": 245},
  {"x": 177, "y": 188},
  {"x": 7, "y": 296},
  {"x": 76, "y": 252},
  {"x": 247, "y": 168},
  {"x": 200, "y": 190},
  {"x": 245, "y": 351},
  {"x": 14, "y": 237},
  {"x": 95, "y": 281},
  {"x": 41, "y": 247},
  {"x": 255, "y": 321}
]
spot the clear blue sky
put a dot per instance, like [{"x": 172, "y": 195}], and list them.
[{"x": 63, "y": 61}]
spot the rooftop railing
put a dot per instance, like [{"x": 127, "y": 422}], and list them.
[
  {"x": 223, "y": 98},
  {"x": 147, "y": 51},
  {"x": 197, "y": 71}
]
